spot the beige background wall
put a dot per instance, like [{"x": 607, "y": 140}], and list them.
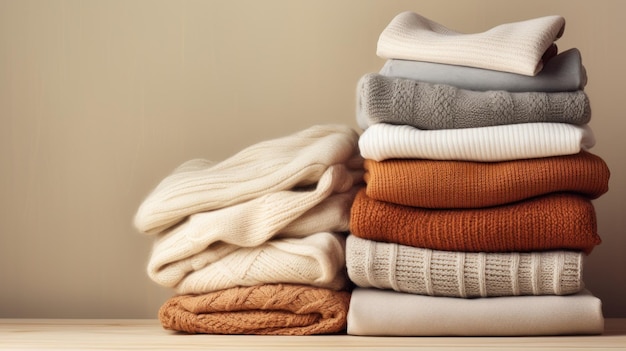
[{"x": 99, "y": 100}]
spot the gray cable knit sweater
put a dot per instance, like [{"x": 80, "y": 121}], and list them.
[{"x": 382, "y": 99}]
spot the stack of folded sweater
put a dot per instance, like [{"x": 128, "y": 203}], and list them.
[
  {"x": 255, "y": 244},
  {"x": 476, "y": 214}
]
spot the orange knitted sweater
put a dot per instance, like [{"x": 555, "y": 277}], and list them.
[
  {"x": 553, "y": 221},
  {"x": 278, "y": 309},
  {"x": 466, "y": 184}
]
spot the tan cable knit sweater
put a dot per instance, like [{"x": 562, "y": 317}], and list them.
[{"x": 279, "y": 309}]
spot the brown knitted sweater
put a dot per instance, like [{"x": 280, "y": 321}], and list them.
[
  {"x": 466, "y": 184},
  {"x": 553, "y": 221},
  {"x": 278, "y": 309}
]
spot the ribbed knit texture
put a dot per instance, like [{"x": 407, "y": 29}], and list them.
[
  {"x": 423, "y": 105},
  {"x": 273, "y": 309},
  {"x": 293, "y": 161},
  {"x": 555, "y": 221},
  {"x": 516, "y": 47},
  {"x": 317, "y": 259},
  {"x": 462, "y": 274},
  {"x": 489, "y": 144},
  {"x": 289, "y": 213},
  {"x": 564, "y": 72},
  {"x": 467, "y": 184},
  {"x": 389, "y": 313}
]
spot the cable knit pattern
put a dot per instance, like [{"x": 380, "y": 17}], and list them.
[
  {"x": 317, "y": 259},
  {"x": 272, "y": 309},
  {"x": 564, "y": 72},
  {"x": 516, "y": 47},
  {"x": 462, "y": 274},
  {"x": 294, "y": 161},
  {"x": 423, "y": 105},
  {"x": 489, "y": 144},
  {"x": 558, "y": 221},
  {"x": 467, "y": 184}
]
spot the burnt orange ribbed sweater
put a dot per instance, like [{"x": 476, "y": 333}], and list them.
[
  {"x": 277, "y": 309},
  {"x": 553, "y": 221},
  {"x": 466, "y": 184}
]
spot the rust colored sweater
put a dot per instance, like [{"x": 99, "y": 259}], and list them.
[
  {"x": 553, "y": 221},
  {"x": 466, "y": 184},
  {"x": 277, "y": 309}
]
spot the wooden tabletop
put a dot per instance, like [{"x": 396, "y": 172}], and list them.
[{"x": 123, "y": 334}]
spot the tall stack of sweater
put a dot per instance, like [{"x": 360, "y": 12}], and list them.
[
  {"x": 476, "y": 215},
  {"x": 255, "y": 244}
]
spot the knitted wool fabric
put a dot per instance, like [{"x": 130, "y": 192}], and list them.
[
  {"x": 391, "y": 313},
  {"x": 293, "y": 161},
  {"x": 178, "y": 251},
  {"x": 564, "y": 72},
  {"x": 317, "y": 259},
  {"x": 467, "y": 184},
  {"x": 422, "y": 105},
  {"x": 558, "y": 221},
  {"x": 462, "y": 274},
  {"x": 516, "y": 47},
  {"x": 278, "y": 309},
  {"x": 489, "y": 144}
]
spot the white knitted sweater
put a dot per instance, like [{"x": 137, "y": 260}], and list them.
[
  {"x": 296, "y": 160},
  {"x": 222, "y": 248},
  {"x": 495, "y": 143}
]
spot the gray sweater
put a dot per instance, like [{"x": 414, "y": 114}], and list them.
[
  {"x": 423, "y": 105},
  {"x": 563, "y": 72}
]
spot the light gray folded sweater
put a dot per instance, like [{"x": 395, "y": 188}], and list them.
[
  {"x": 563, "y": 72},
  {"x": 423, "y": 105}
]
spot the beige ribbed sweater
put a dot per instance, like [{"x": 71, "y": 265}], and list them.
[{"x": 462, "y": 274}]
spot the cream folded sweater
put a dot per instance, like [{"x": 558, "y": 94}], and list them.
[
  {"x": 391, "y": 313},
  {"x": 316, "y": 259},
  {"x": 462, "y": 274},
  {"x": 241, "y": 230},
  {"x": 496, "y": 143},
  {"x": 291, "y": 162},
  {"x": 515, "y": 47}
]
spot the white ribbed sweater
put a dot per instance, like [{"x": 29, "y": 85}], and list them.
[{"x": 496, "y": 143}]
